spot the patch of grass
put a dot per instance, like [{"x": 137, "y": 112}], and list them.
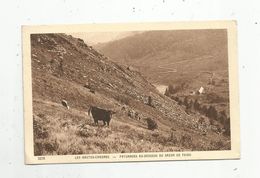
[{"x": 68, "y": 132}]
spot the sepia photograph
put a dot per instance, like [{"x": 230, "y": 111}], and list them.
[{"x": 130, "y": 92}]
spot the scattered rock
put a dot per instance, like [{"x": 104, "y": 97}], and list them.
[
  {"x": 151, "y": 124},
  {"x": 87, "y": 86},
  {"x": 130, "y": 68},
  {"x": 65, "y": 104},
  {"x": 92, "y": 90}
]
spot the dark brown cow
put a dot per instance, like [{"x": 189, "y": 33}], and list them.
[{"x": 99, "y": 114}]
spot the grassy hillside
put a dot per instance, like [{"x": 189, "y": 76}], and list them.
[
  {"x": 184, "y": 59},
  {"x": 167, "y": 56},
  {"x": 65, "y": 68}
]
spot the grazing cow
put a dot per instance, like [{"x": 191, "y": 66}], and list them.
[
  {"x": 100, "y": 114},
  {"x": 65, "y": 104}
]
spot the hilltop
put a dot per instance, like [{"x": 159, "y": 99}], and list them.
[{"x": 65, "y": 68}]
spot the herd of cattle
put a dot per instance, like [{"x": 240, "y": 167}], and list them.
[
  {"x": 105, "y": 115},
  {"x": 99, "y": 114}
]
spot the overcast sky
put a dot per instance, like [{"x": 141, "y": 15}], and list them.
[{"x": 92, "y": 38}]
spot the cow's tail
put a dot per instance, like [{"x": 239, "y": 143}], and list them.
[{"x": 89, "y": 110}]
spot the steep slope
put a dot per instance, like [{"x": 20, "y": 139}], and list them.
[{"x": 65, "y": 68}]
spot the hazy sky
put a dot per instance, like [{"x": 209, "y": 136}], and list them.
[{"x": 92, "y": 38}]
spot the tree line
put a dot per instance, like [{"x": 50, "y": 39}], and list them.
[{"x": 192, "y": 104}]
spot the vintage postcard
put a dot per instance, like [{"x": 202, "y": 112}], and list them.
[{"x": 131, "y": 92}]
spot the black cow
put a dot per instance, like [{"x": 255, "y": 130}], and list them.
[{"x": 100, "y": 114}]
